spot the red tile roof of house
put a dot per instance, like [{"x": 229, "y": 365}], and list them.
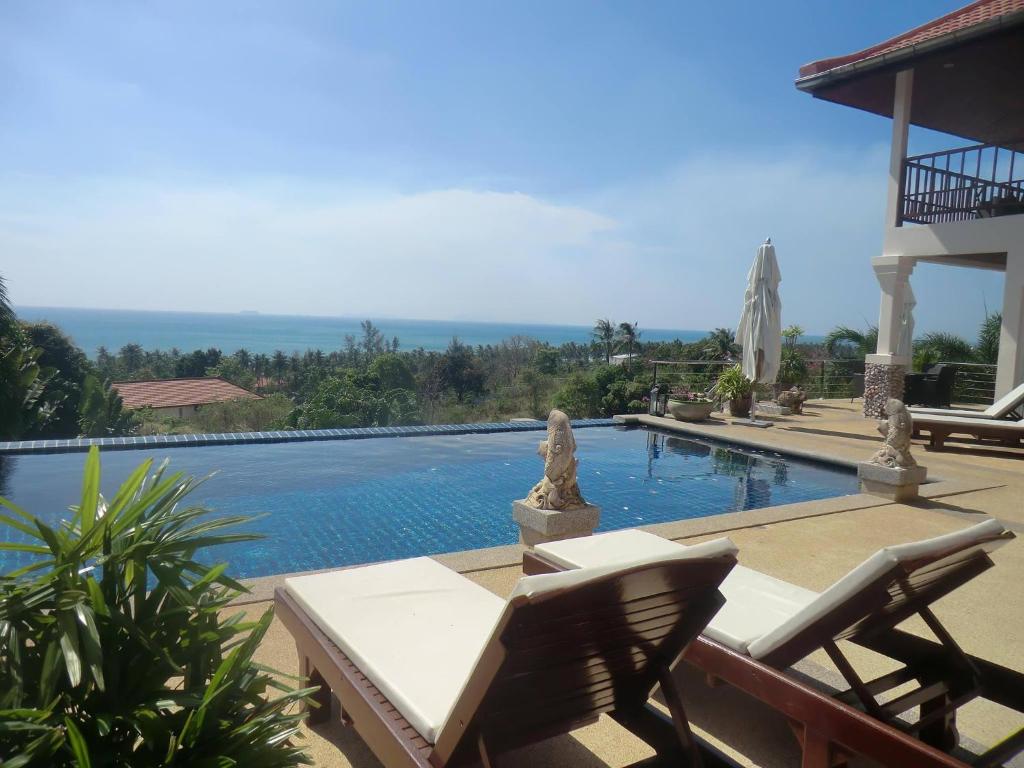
[
  {"x": 952, "y": 24},
  {"x": 171, "y": 393}
]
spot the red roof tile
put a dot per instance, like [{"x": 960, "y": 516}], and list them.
[
  {"x": 171, "y": 393},
  {"x": 952, "y": 23}
]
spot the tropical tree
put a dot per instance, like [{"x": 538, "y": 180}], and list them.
[
  {"x": 843, "y": 341},
  {"x": 945, "y": 346},
  {"x": 720, "y": 344},
  {"x": 116, "y": 647},
  {"x": 101, "y": 411},
  {"x": 23, "y": 407},
  {"x": 69, "y": 367},
  {"x": 627, "y": 334},
  {"x": 604, "y": 333},
  {"x": 987, "y": 348}
]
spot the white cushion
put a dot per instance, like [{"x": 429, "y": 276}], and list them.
[
  {"x": 863, "y": 575},
  {"x": 970, "y": 421},
  {"x": 607, "y": 548},
  {"x": 537, "y": 587},
  {"x": 761, "y": 612},
  {"x": 998, "y": 410},
  {"x": 756, "y": 603},
  {"x": 414, "y": 627}
]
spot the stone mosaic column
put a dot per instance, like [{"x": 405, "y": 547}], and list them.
[{"x": 881, "y": 381}]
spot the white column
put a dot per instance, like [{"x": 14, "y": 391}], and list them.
[
  {"x": 1010, "y": 369},
  {"x": 898, "y": 151},
  {"x": 893, "y": 274}
]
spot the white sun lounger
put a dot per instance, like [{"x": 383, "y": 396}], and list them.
[
  {"x": 768, "y": 624},
  {"x": 434, "y": 670},
  {"x": 1010, "y": 405},
  {"x": 940, "y": 427}
]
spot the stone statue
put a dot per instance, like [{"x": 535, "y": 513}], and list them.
[
  {"x": 558, "y": 488},
  {"x": 897, "y": 430},
  {"x": 793, "y": 399}
]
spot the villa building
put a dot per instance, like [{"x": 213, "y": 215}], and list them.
[
  {"x": 961, "y": 75},
  {"x": 179, "y": 397}
]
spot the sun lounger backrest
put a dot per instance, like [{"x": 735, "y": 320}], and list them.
[
  {"x": 574, "y": 644},
  {"x": 1008, "y": 403},
  {"x": 884, "y": 590}
]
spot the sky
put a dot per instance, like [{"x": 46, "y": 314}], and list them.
[{"x": 534, "y": 161}]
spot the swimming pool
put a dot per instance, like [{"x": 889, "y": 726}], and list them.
[{"x": 342, "y": 502}]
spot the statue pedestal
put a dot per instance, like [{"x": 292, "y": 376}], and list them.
[
  {"x": 537, "y": 526},
  {"x": 894, "y": 483}
]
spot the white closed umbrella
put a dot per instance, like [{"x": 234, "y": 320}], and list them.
[
  {"x": 760, "y": 328},
  {"x": 905, "y": 345}
]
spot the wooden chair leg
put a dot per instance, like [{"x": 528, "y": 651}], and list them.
[
  {"x": 942, "y": 733},
  {"x": 320, "y": 713},
  {"x": 674, "y": 700},
  {"x": 817, "y": 750}
]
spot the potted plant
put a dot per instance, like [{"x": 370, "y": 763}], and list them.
[
  {"x": 733, "y": 386},
  {"x": 689, "y": 406}
]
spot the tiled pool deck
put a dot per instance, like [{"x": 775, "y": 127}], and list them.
[
  {"x": 810, "y": 544},
  {"x": 82, "y": 444}
]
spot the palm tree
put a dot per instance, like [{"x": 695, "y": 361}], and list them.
[
  {"x": 987, "y": 349},
  {"x": 604, "y": 333},
  {"x": 627, "y": 334},
  {"x": 840, "y": 340},
  {"x": 720, "y": 344},
  {"x": 945, "y": 346},
  {"x": 7, "y": 316}
]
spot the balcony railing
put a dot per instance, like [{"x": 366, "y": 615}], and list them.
[{"x": 977, "y": 182}]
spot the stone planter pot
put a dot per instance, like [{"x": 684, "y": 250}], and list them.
[
  {"x": 686, "y": 411},
  {"x": 740, "y": 406}
]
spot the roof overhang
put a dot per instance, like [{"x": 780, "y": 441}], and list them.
[{"x": 968, "y": 82}]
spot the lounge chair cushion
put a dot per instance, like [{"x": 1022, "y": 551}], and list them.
[
  {"x": 863, "y": 576},
  {"x": 413, "y": 627},
  {"x": 969, "y": 422},
  {"x": 1001, "y": 408},
  {"x": 756, "y": 603}
]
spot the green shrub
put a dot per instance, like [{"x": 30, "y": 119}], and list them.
[{"x": 113, "y": 647}]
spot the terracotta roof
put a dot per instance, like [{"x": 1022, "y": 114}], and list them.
[
  {"x": 171, "y": 393},
  {"x": 952, "y": 25}
]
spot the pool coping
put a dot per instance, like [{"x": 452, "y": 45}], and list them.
[{"x": 83, "y": 444}]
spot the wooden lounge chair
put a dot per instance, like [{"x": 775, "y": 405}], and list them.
[
  {"x": 767, "y": 625},
  {"x": 939, "y": 428},
  {"x": 1009, "y": 406},
  {"x": 434, "y": 670}
]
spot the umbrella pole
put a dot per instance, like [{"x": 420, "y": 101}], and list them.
[{"x": 753, "y": 422}]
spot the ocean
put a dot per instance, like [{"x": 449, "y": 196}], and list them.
[{"x": 113, "y": 328}]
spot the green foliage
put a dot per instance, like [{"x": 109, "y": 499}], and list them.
[
  {"x": 987, "y": 348},
  {"x": 392, "y": 372},
  {"x": 604, "y": 334},
  {"x": 732, "y": 384},
  {"x": 267, "y": 413},
  {"x": 114, "y": 646},
  {"x": 944, "y": 346},
  {"x": 720, "y": 345},
  {"x": 68, "y": 368},
  {"x": 546, "y": 360},
  {"x": 843, "y": 341},
  {"x": 580, "y": 396},
  {"x": 101, "y": 412},
  {"x": 23, "y": 407},
  {"x": 459, "y": 372},
  {"x": 231, "y": 369},
  {"x": 350, "y": 401}
]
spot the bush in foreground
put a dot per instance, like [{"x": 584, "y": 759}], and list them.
[{"x": 113, "y": 649}]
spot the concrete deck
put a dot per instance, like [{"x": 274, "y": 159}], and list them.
[{"x": 810, "y": 544}]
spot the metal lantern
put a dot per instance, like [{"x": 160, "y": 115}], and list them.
[{"x": 659, "y": 400}]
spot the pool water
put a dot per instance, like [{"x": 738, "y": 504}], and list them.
[{"x": 342, "y": 502}]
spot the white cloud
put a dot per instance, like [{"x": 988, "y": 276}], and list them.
[{"x": 667, "y": 252}]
